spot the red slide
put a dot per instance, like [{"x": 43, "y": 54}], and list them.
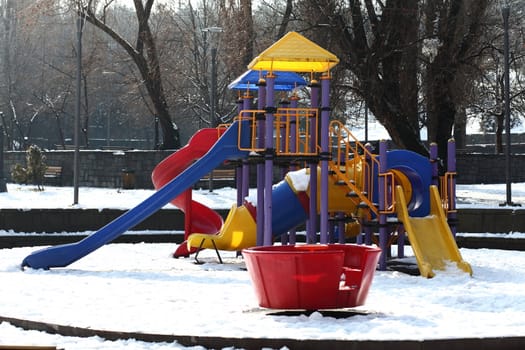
[{"x": 199, "y": 218}]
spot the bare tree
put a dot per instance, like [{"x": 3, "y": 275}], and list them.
[
  {"x": 488, "y": 85},
  {"x": 393, "y": 47},
  {"x": 144, "y": 55},
  {"x": 192, "y": 44},
  {"x": 459, "y": 27},
  {"x": 8, "y": 54}
]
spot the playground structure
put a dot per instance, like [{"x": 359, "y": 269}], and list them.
[
  {"x": 335, "y": 184},
  {"x": 341, "y": 179}
]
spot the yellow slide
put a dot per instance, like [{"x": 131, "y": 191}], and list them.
[
  {"x": 430, "y": 237},
  {"x": 238, "y": 232}
]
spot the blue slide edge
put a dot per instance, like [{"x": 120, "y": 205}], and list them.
[{"x": 62, "y": 255}]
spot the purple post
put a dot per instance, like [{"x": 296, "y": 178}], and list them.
[
  {"x": 238, "y": 175},
  {"x": 341, "y": 227},
  {"x": 283, "y": 103},
  {"x": 383, "y": 233},
  {"x": 282, "y": 127},
  {"x": 245, "y": 173},
  {"x": 325, "y": 156},
  {"x": 294, "y": 101},
  {"x": 451, "y": 168},
  {"x": 367, "y": 185},
  {"x": 400, "y": 241},
  {"x": 268, "y": 159},
  {"x": 434, "y": 163},
  {"x": 261, "y": 102},
  {"x": 311, "y": 228}
]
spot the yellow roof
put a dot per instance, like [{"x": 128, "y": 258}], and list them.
[{"x": 294, "y": 53}]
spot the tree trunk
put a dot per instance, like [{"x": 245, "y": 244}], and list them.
[
  {"x": 499, "y": 133},
  {"x": 381, "y": 44},
  {"x": 8, "y": 53},
  {"x": 286, "y": 20},
  {"x": 460, "y": 128},
  {"x": 441, "y": 109},
  {"x": 248, "y": 31},
  {"x": 458, "y": 32},
  {"x": 385, "y": 64}
]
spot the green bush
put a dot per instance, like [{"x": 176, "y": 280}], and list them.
[{"x": 34, "y": 170}]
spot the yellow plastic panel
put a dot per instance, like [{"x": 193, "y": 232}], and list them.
[
  {"x": 430, "y": 237},
  {"x": 238, "y": 232},
  {"x": 294, "y": 53}
]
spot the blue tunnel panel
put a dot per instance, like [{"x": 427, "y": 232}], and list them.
[
  {"x": 418, "y": 171},
  {"x": 287, "y": 211}
]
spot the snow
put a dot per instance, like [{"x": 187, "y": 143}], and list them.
[
  {"x": 140, "y": 288},
  {"x": 299, "y": 179}
]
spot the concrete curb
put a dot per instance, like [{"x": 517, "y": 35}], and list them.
[{"x": 496, "y": 343}]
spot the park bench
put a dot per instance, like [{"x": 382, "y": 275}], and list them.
[
  {"x": 53, "y": 175},
  {"x": 226, "y": 177}
]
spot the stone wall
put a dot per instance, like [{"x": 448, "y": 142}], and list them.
[
  {"x": 474, "y": 168},
  {"x": 98, "y": 168},
  {"x": 103, "y": 168}
]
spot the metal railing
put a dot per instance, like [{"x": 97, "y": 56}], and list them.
[{"x": 294, "y": 131}]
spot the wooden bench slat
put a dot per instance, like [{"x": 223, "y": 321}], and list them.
[
  {"x": 220, "y": 174},
  {"x": 224, "y": 176},
  {"x": 53, "y": 171},
  {"x": 53, "y": 175}
]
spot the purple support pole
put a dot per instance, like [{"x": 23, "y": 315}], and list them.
[
  {"x": 325, "y": 156},
  {"x": 261, "y": 102},
  {"x": 311, "y": 228},
  {"x": 282, "y": 130},
  {"x": 367, "y": 185},
  {"x": 238, "y": 175},
  {"x": 294, "y": 101},
  {"x": 331, "y": 229},
  {"x": 401, "y": 227},
  {"x": 341, "y": 227},
  {"x": 359, "y": 238},
  {"x": 283, "y": 103},
  {"x": 268, "y": 159},
  {"x": 245, "y": 173},
  {"x": 400, "y": 241},
  {"x": 383, "y": 233},
  {"x": 434, "y": 163},
  {"x": 451, "y": 168}
]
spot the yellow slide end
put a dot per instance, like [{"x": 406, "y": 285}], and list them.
[
  {"x": 238, "y": 232},
  {"x": 430, "y": 237}
]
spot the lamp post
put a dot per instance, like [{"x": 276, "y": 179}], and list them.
[
  {"x": 76, "y": 133},
  {"x": 505, "y": 11},
  {"x": 213, "y": 88},
  {"x": 213, "y": 76},
  {"x": 156, "y": 132},
  {"x": 3, "y": 186}
]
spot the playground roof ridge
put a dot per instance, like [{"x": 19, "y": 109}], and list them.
[{"x": 294, "y": 53}]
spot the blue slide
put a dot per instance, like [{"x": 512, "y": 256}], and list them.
[{"x": 62, "y": 255}]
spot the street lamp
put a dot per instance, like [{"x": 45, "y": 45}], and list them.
[
  {"x": 213, "y": 89},
  {"x": 213, "y": 76},
  {"x": 3, "y": 186},
  {"x": 505, "y": 11},
  {"x": 76, "y": 133}
]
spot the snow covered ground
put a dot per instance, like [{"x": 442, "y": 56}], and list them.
[
  {"x": 26, "y": 197},
  {"x": 140, "y": 288}
]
